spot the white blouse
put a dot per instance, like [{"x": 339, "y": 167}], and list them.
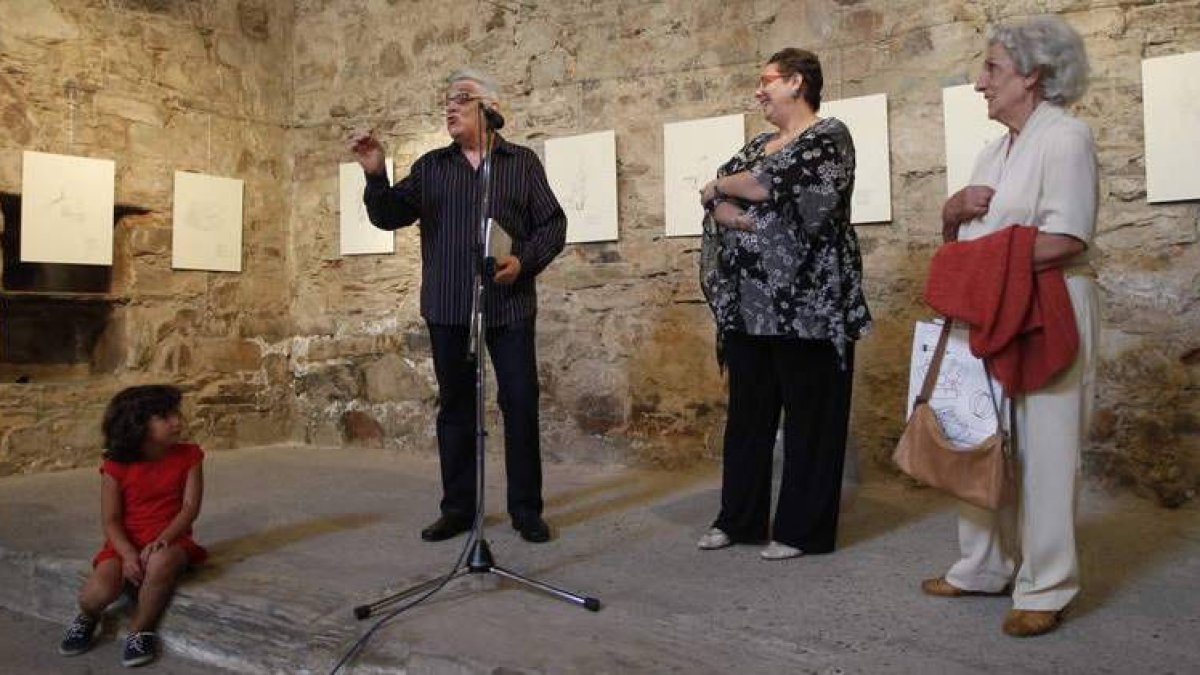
[{"x": 1047, "y": 178}]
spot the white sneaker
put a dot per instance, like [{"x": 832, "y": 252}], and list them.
[
  {"x": 778, "y": 551},
  {"x": 713, "y": 540}
]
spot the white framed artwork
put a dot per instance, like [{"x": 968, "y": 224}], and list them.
[
  {"x": 582, "y": 172},
  {"x": 867, "y": 119},
  {"x": 206, "y": 230},
  {"x": 1171, "y": 111},
  {"x": 67, "y": 209},
  {"x": 968, "y": 131},
  {"x": 356, "y": 234},
  {"x": 692, "y": 153}
]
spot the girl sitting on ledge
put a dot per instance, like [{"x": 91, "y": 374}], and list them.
[{"x": 151, "y": 489}]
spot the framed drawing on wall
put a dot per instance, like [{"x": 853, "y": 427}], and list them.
[
  {"x": 206, "y": 232},
  {"x": 582, "y": 171},
  {"x": 867, "y": 119},
  {"x": 1171, "y": 110},
  {"x": 968, "y": 132},
  {"x": 356, "y": 234},
  {"x": 692, "y": 153},
  {"x": 67, "y": 209}
]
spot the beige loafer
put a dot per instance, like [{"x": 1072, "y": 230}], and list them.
[
  {"x": 942, "y": 588},
  {"x": 1030, "y": 623}
]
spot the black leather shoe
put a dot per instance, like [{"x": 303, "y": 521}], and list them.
[
  {"x": 446, "y": 527},
  {"x": 533, "y": 530}
]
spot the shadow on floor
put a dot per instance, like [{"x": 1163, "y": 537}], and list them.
[
  {"x": 225, "y": 552},
  {"x": 870, "y": 513},
  {"x": 1117, "y": 547},
  {"x": 620, "y": 493}
]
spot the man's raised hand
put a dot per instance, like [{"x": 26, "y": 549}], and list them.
[{"x": 367, "y": 150}]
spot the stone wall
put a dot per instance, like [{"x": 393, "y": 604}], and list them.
[
  {"x": 625, "y": 342},
  {"x": 158, "y": 86},
  {"x": 309, "y": 346}
]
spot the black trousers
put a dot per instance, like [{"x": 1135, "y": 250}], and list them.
[
  {"x": 804, "y": 380},
  {"x": 514, "y": 359}
]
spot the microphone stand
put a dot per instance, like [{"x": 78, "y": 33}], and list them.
[{"x": 477, "y": 556}]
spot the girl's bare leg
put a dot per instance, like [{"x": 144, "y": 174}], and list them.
[
  {"x": 102, "y": 588},
  {"x": 162, "y": 571}
]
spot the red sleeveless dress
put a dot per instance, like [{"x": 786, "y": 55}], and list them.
[{"x": 151, "y": 497}]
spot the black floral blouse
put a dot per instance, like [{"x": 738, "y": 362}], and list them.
[{"x": 799, "y": 272}]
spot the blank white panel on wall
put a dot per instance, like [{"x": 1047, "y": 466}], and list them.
[
  {"x": 1171, "y": 108},
  {"x": 582, "y": 171},
  {"x": 67, "y": 209},
  {"x": 356, "y": 234},
  {"x": 867, "y": 119},
  {"x": 692, "y": 153},
  {"x": 206, "y": 231},
  {"x": 968, "y": 132}
]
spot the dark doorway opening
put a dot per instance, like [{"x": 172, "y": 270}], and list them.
[{"x": 52, "y": 316}]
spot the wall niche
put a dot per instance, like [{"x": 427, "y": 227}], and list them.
[{"x": 52, "y": 316}]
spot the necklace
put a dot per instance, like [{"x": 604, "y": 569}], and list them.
[{"x": 795, "y": 134}]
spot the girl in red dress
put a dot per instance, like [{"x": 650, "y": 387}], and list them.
[{"x": 151, "y": 489}]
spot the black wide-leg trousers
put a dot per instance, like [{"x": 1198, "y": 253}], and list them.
[
  {"x": 514, "y": 360},
  {"x": 803, "y": 380}
]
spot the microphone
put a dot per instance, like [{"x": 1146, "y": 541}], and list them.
[{"x": 494, "y": 119}]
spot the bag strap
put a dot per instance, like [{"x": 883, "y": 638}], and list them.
[
  {"x": 1006, "y": 434},
  {"x": 935, "y": 367},
  {"x": 935, "y": 364}
]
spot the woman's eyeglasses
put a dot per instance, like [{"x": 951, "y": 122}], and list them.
[{"x": 766, "y": 80}]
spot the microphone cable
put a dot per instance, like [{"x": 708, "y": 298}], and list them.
[{"x": 361, "y": 643}]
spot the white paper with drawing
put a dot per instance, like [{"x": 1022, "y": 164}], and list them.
[
  {"x": 1171, "y": 107},
  {"x": 867, "y": 119},
  {"x": 356, "y": 234},
  {"x": 582, "y": 171},
  {"x": 968, "y": 131},
  {"x": 206, "y": 232},
  {"x": 960, "y": 398},
  {"x": 67, "y": 209},
  {"x": 692, "y": 153}
]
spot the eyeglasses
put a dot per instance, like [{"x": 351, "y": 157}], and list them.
[
  {"x": 460, "y": 99},
  {"x": 765, "y": 81}
]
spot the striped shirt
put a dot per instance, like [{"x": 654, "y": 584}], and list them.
[{"x": 442, "y": 192}]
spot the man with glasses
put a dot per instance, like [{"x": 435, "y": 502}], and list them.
[{"x": 442, "y": 192}]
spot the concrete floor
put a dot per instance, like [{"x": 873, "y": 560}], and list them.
[
  {"x": 27, "y": 646},
  {"x": 299, "y": 536}
]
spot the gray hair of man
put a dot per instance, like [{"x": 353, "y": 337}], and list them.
[
  {"x": 487, "y": 86},
  {"x": 1048, "y": 45}
]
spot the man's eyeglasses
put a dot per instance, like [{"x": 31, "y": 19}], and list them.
[{"x": 460, "y": 99}]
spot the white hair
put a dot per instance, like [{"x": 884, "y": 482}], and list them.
[
  {"x": 1048, "y": 45},
  {"x": 487, "y": 85}
]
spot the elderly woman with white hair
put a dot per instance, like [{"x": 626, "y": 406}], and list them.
[{"x": 1042, "y": 173}]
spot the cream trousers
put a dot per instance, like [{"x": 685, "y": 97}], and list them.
[{"x": 1052, "y": 424}]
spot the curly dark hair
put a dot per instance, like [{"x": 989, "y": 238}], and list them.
[{"x": 127, "y": 415}]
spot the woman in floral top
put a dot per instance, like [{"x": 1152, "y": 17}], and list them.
[{"x": 781, "y": 270}]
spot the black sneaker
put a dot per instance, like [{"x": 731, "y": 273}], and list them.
[
  {"x": 140, "y": 649},
  {"x": 79, "y": 636}
]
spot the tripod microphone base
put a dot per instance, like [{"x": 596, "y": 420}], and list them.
[{"x": 480, "y": 561}]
